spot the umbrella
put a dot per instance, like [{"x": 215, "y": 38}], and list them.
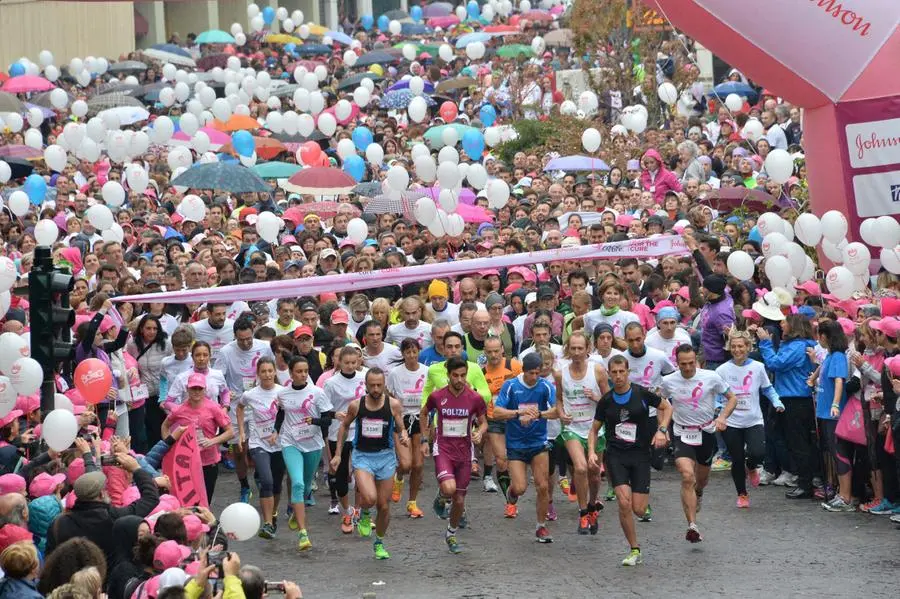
[
  {"x": 316, "y": 135},
  {"x": 320, "y": 180},
  {"x": 465, "y": 196},
  {"x": 445, "y": 22},
  {"x": 576, "y": 163},
  {"x": 26, "y": 83},
  {"x": 47, "y": 112},
  {"x": 340, "y": 37},
  {"x": 171, "y": 49},
  {"x": 128, "y": 66},
  {"x": 560, "y": 37},
  {"x": 215, "y": 36},
  {"x": 401, "y": 203},
  {"x": 234, "y": 178},
  {"x": 98, "y": 103},
  {"x": 353, "y": 81},
  {"x": 44, "y": 100},
  {"x": 369, "y": 189},
  {"x": 211, "y": 61},
  {"x": 266, "y": 148},
  {"x": 414, "y": 29},
  {"x": 320, "y": 209},
  {"x": 454, "y": 84},
  {"x": 537, "y": 15},
  {"x": 437, "y": 9},
  {"x": 755, "y": 200},
  {"x": 19, "y": 167},
  {"x": 20, "y": 151},
  {"x": 127, "y": 115},
  {"x": 276, "y": 170},
  {"x": 397, "y": 15},
  {"x": 217, "y": 139},
  {"x": 736, "y": 87},
  {"x": 312, "y": 49},
  {"x": 163, "y": 56},
  {"x": 433, "y": 135},
  {"x": 474, "y": 214},
  {"x": 10, "y": 103},
  {"x": 119, "y": 87},
  {"x": 237, "y": 122},
  {"x": 284, "y": 91},
  {"x": 282, "y": 38},
  {"x": 400, "y": 99},
  {"x": 515, "y": 50},
  {"x": 502, "y": 29},
  {"x": 404, "y": 84},
  {"x": 317, "y": 29},
  {"x": 376, "y": 57},
  {"x": 470, "y": 38}
]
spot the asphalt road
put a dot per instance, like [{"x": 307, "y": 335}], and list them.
[{"x": 777, "y": 548}]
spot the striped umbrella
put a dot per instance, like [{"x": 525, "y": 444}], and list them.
[
  {"x": 98, "y": 103},
  {"x": 21, "y": 151},
  {"x": 234, "y": 178}
]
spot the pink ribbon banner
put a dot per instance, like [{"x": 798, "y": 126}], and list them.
[{"x": 358, "y": 281}]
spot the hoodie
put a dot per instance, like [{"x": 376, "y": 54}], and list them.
[
  {"x": 790, "y": 365},
  {"x": 664, "y": 180},
  {"x": 716, "y": 318}
]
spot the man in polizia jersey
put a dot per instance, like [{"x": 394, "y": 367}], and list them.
[{"x": 625, "y": 410}]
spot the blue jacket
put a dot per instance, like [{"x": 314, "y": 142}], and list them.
[
  {"x": 16, "y": 588},
  {"x": 790, "y": 365}
]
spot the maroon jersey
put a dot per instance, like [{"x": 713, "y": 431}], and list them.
[{"x": 454, "y": 421}]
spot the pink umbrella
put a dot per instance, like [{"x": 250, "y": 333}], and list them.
[
  {"x": 320, "y": 180},
  {"x": 474, "y": 214},
  {"x": 26, "y": 83},
  {"x": 216, "y": 137},
  {"x": 21, "y": 151},
  {"x": 443, "y": 22},
  {"x": 466, "y": 196}
]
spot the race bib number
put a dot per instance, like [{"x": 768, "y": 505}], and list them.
[
  {"x": 267, "y": 430},
  {"x": 626, "y": 431},
  {"x": 372, "y": 428},
  {"x": 455, "y": 427},
  {"x": 743, "y": 403},
  {"x": 581, "y": 413},
  {"x": 249, "y": 383},
  {"x": 140, "y": 393},
  {"x": 307, "y": 431},
  {"x": 692, "y": 437},
  {"x": 412, "y": 401}
]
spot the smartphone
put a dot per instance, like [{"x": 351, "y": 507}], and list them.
[
  {"x": 109, "y": 460},
  {"x": 274, "y": 587}
]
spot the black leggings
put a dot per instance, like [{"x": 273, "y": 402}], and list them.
[
  {"x": 800, "y": 428},
  {"x": 340, "y": 480},
  {"x": 210, "y": 476},
  {"x": 269, "y": 471},
  {"x": 747, "y": 447}
]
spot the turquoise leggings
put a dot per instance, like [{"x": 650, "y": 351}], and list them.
[{"x": 301, "y": 465}]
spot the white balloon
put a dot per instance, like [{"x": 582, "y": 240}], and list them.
[
  {"x": 252, "y": 10},
  {"x": 19, "y": 203},
  {"x": 362, "y": 96},
  {"x": 834, "y": 252},
  {"x": 46, "y": 232},
  {"x": 797, "y": 257},
  {"x": 809, "y": 271},
  {"x": 257, "y": 23},
  {"x": 26, "y": 376},
  {"x": 34, "y": 139},
  {"x": 590, "y": 140},
  {"x": 375, "y": 154},
  {"x": 538, "y": 45},
  {"x": 417, "y": 109},
  {"x": 394, "y": 27},
  {"x": 778, "y": 270},
  {"x": 167, "y": 96},
  {"x": 5, "y": 171},
  {"x": 303, "y": 31},
  {"x": 448, "y": 200},
  {"x": 327, "y": 124},
  {"x": 425, "y": 211},
  {"x": 887, "y": 231},
  {"x": 455, "y": 226},
  {"x": 774, "y": 244},
  {"x": 769, "y": 222},
  {"x": 59, "y": 430},
  {"x": 35, "y": 117},
  {"x": 867, "y": 231},
  {"x": 840, "y": 282},
  {"x": 447, "y": 175},
  {"x": 498, "y": 193},
  {"x": 808, "y": 229},
  {"x": 51, "y": 73},
  {"x": 14, "y": 122},
  {"x": 113, "y": 194},
  {"x": 448, "y": 154},
  {"x": 733, "y": 102},
  {"x": 741, "y": 265},
  {"x": 89, "y": 151},
  {"x": 61, "y": 402},
  {"x": 346, "y": 148},
  {"x": 492, "y": 136},
  {"x": 417, "y": 85},
  {"x": 524, "y": 6},
  {"x": 240, "y": 520},
  {"x": 357, "y": 230},
  {"x": 667, "y": 93},
  {"x": 316, "y": 102},
  {"x": 236, "y": 28},
  {"x": 436, "y": 227},
  {"x": 45, "y": 58},
  {"x": 221, "y": 109},
  {"x": 297, "y": 16},
  {"x": 75, "y": 134},
  {"x": 304, "y": 124},
  {"x": 168, "y": 71},
  {"x": 12, "y": 348},
  {"x": 8, "y": 395},
  {"x": 114, "y": 233},
  {"x": 342, "y": 110},
  {"x": 475, "y": 50},
  {"x": 192, "y": 208},
  {"x": 477, "y": 176},
  {"x": 350, "y": 58},
  {"x": 890, "y": 259},
  {"x": 100, "y": 216},
  {"x": 200, "y": 142},
  {"x": 140, "y": 143},
  {"x": 426, "y": 169},
  {"x": 398, "y": 178},
  {"x": 753, "y": 130},
  {"x": 834, "y": 226},
  {"x": 856, "y": 258},
  {"x": 449, "y": 136},
  {"x": 461, "y": 12},
  {"x": 779, "y": 166},
  {"x": 409, "y": 52},
  {"x": 445, "y": 52},
  {"x": 268, "y": 225},
  {"x": 281, "y": 13}
]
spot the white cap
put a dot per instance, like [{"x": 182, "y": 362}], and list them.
[{"x": 530, "y": 298}]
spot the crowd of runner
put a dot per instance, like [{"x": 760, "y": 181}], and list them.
[{"x": 578, "y": 378}]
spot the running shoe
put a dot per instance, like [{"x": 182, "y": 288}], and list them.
[
  {"x": 463, "y": 521},
  {"x": 564, "y": 484},
  {"x": 542, "y": 535},
  {"x": 573, "y": 493},
  {"x": 476, "y": 473},
  {"x": 783, "y": 479},
  {"x": 334, "y": 508},
  {"x": 397, "y": 493},
  {"x": 228, "y": 463},
  {"x": 895, "y": 518},
  {"x": 648, "y": 515},
  {"x": 699, "y": 502},
  {"x": 246, "y": 495},
  {"x": 303, "y": 542},
  {"x": 275, "y": 521},
  {"x": 346, "y": 524},
  {"x": 754, "y": 476},
  {"x": 488, "y": 485},
  {"x": 868, "y": 507},
  {"x": 511, "y": 511},
  {"x": 452, "y": 544},
  {"x": 838, "y": 505},
  {"x": 309, "y": 500},
  {"x": 885, "y": 507},
  {"x": 552, "y": 516},
  {"x": 693, "y": 534},
  {"x": 610, "y": 494},
  {"x": 634, "y": 558},
  {"x": 720, "y": 464},
  {"x": 412, "y": 510},
  {"x": 439, "y": 505},
  {"x": 380, "y": 551},
  {"x": 743, "y": 501},
  {"x": 266, "y": 531},
  {"x": 292, "y": 523},
  {"x": 364, "y": 525},
  {"x": 584, "y": 524},
  {"x": 766, "y": 478},
  {"x": 595, "y": 524}
]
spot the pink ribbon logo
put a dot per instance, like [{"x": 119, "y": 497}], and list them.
[
  {"x": 696, "y": 394},
  {"x": 648, "y": 374},
  {"x": 748, "y": 382}
]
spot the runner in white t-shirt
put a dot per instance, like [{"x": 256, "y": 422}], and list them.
[
  {"x": 667, "y": 335},
  {"x": 377, "y": 353},
  {"x": 412, "y": 325},
  {"x": 217, "y": 330},
  {"x": 611, "y": 313}
]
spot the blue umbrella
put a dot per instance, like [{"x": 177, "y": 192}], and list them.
[
  {"x": 400, "y": 99},
  {"x": 234, "y": 178},
  {"x": 376, "y": 57},
  {"x": 404, "y": 84},
  {"x": 469, "y": 38},
  {"x": 172, "y": 49},
  {"x": 736, "y": 87},
  {"x": 340, "y": 37},
  {"x": 415, "y": 29},
  {"x": 576, "y": 163},
  {"x": 311, "y": 49},
  {"x": 215, "y": 36}
]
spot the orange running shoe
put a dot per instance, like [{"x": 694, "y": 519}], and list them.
[
  {"x": 412, "y": 510},
  {"x": 346, "y": 524},
  {"x": 512, "y": 510},
  {"x": 397, "y": 493},
  {"x": 584, "y": 524}
]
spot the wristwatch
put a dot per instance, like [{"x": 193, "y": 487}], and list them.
[{"x": 663, "y": 429}]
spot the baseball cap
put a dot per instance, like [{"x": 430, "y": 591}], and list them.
[
  {"x": 328, "y": 253},
  {"x": 530, "y": 298},
  {"x": 197, "y": 380},
  {"x": 546, "y": 291},
  {"x": 301, "y": 331},
  {"x": 169, "y": 554},
  {"x": 11, "y": 534},
  {"x": 340, "y": 317},
  {"x": 28, "y": 403},
  {"x": 847, "y": 325},
  {"x": 893, "y": 365},
  {"x": 195, "y": 527},
  {"x": 660, "y": 305},
  {"x": 684, "y": 293},
  {"x": 45, "y": 483},
  {"x": 810, "y": 287},
  {"x": 9, "y": 418},
  {"x": 11, "y": 483},
  {"x": 90, "y": 486},
  {"x": 888, "y": 326}
]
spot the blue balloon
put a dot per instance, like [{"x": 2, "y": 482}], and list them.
[
  {"x": 355, "y": 166},
  {"x": 290, "y": 48},
  {"x": 473, "y": 144},
  {"x": 488, "y": 115},
  {"x": 755, "y": 235},
  {"x": 367, "y": 21},
  {"x": 383, "y": 22},
  {"x": 243, "y": 143},
  {"x": 362, "y": 137},
  {"x": 473, "y": 10},
  {"x": 36, "y": 188},
  {"x": 16, "y": 69},
  {"x": 268, "y": 15},
  {"x": 416, "y": 13}
]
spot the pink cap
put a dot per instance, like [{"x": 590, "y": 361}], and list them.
[
  {"x": 684, "y": 293},
  {"x": 12, "y": 483},
  {"x": 195, "y": 527},
  {"x": 69, "y": 500},
  {"x": 663, "y": 304},
  {"x": 45, "y": 484},
  {"x": 888, "y": 326},
  {"x": 751, "y": 315},
  {"x": 890, "y": 306},
  {"x": 192, "y": 568},
  {"x": 76, "y": 469},
  {"x": 848, "y": 325},
  {"x": 9, "y": 418},
  {"x": 810, "y": 287},
  {"x": 169, "y": 554},
  {"x": 167, "y": 503},
  {"x": 624, "y": 220},
  {"x": 849, "y": 306},
  {"x": 340, "y": 317},
  {"x": 197, "y": 379},
  {"x": 525, "y": 273},
  {"x": 893, "y": 365},
  {"x": 106, "y": 324},
  {"x": 28, "y": 403}
]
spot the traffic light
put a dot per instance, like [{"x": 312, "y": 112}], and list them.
[{"x": 51, "y": 321}]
